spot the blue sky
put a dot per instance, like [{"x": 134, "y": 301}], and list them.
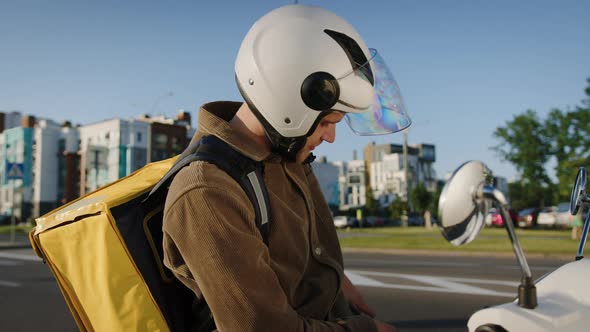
[{"x": 464, "y": 67}]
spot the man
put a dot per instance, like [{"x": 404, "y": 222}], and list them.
[{"x": 301, "y": 70}]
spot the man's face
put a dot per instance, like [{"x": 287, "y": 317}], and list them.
[{"x": 325, "y": 131}]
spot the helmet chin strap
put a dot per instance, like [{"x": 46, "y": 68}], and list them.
[
  {"x": 295, "y": 146},
  {"x": 284, "y": 146},
  {"x": 288, "y": 147}
]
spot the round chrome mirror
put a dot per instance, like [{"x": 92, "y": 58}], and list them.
[
  {"x": 462, "y": 207},
  {"x": 578, "y": 191}
]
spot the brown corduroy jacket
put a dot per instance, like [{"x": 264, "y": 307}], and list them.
[{"x": 212, "y": 245}]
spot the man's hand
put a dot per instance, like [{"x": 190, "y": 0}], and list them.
[
  {"x": 354, "y": 297},
  {"x": 382, "y": 327}
]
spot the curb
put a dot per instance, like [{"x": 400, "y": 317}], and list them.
[
  {"x": 426, "y": 252},
  {"x": 15, "y": 245}
]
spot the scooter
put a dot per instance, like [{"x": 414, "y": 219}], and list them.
[{"x": 558, "y": 301}]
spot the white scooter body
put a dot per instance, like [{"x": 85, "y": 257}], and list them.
[{"x": 563, "y": 304}]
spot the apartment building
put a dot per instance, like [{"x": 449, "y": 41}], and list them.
[
  {"x": 56, "y": 165},
  {"x": 60, "y": 162},
  {"x": 352, "y": 184},
  {"x": 16, "y": 194},
  {"x": 168, "y": 137},
  {"x": 388, "y": 177},
  {"x": 110, "y": 150}
]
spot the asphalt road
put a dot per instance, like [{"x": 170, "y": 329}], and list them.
[
  {"x": 437, "y": 292},
  {"x": 413, "y": 292}
]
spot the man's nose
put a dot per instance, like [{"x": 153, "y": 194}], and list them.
[{"x": 330, "y": 134}]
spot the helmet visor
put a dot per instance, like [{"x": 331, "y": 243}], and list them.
[{"x": 387, "y": 114}]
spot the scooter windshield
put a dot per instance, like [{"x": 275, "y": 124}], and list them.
[{"x": 387, "y": 113}]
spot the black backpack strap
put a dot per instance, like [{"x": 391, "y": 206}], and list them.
[{"x": 245, "y": 171}]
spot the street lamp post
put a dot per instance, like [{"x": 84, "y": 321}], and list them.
[
  {"x": 96, "y": 164},
  {"x": 12, "y": 208},
  {"x": 406, "y": 172},
  {"x": 406, "y": 177}
]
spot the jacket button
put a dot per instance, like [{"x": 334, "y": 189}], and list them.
[{"x": 318, "y": 251}]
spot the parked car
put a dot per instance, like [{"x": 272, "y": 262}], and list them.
[
  {"x": 563, "y": 217},
  {"x": 527, "y": 218},
  {"x": 344, "y": 221},
  {"x": 391, "y": 222},
  {"x": 372, "y": 221},
  {"x": 495, "y": 219},
  {"x": 547, "y": 217},
  {"x": 415, "y": 220},
  {"x": 5, "y": 219}
]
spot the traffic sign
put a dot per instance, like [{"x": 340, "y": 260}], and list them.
[{"x": 15, "y": 171}]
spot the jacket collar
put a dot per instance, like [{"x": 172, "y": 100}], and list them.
[{"x": 214, "y": 120}]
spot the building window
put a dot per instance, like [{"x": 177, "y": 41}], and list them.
[
  {"x": 161, "y": 140},
  {"x": 138, "y": 137},
  {"x": 176, "y": 148}
]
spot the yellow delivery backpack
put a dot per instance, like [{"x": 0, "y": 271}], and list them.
[{"x": 105, "y": 248}]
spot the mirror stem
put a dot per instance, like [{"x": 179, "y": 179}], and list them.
[
  {"x": 583, "y": 238},
  {"x": 527, "y": 292},
  {"x": 526, "y": 271}
]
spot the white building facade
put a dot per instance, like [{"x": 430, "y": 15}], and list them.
[
  {"x": 56, "y": 173},
  {"x": 352, "y": 184},
  {"x": 110, "y": 150},
  {"x": 389, "y": 180}
]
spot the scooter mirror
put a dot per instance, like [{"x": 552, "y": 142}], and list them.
[
  {"x": 462, "y": 206},
  {"x": 578, "y": 191}
]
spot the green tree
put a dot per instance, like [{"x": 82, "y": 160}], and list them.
[
  {"x": 421, "y": 198},
  {"x": 371, "y": 204},
  {"x": 436, "y": 197},
  {"x": 529, "y": 143},
  {"x": 524, "y": 143},
  {"x": 397, "y": 208},
  {"x": 569, "y": 141},
  {"x": 569, "y": 138},
  {"x": 522, "y": 195}
]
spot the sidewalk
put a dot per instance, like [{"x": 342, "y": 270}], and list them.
[{"x": 20, "y": 241}]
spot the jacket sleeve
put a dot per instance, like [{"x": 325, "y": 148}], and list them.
[{"x": 210, "y": 238}]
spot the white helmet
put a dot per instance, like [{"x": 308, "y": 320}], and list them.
[{"x": 298, "y": 63}]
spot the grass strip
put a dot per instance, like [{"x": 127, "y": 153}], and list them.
[
  {"x": 537, "y": 241},
  {"x": 18, "y": 229}
]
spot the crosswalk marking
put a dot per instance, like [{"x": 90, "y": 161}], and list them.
[
  {"x": 9, "y": 283},
  {"x": 360, "y": 278},
  {"x": 9, "y": 263},
  {"x": 430, "y": 283},
  {"x": 22, "y": 257}
]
